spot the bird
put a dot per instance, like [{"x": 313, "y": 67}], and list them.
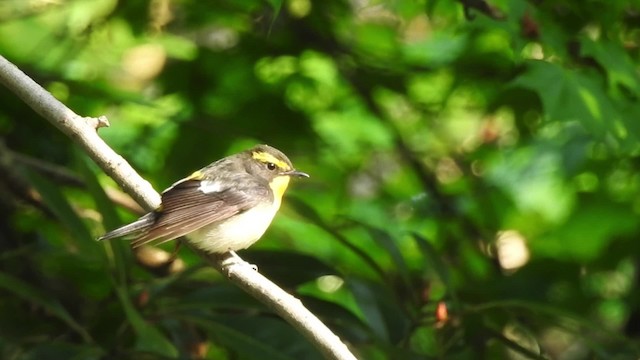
[{"x": 223, "y": 207}]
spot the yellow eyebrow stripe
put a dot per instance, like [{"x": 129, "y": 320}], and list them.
[{"x": 268, "y": 158}]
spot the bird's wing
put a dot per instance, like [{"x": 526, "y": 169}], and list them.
[{"x": 191, "y": 204}]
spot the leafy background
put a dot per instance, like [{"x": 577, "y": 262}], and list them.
[{"x": 474, "y": 189}]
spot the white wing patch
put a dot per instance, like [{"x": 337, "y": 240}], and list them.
[{"x": 210, "y": 186}]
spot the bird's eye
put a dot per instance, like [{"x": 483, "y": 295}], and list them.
[{"x": 271, "y": 166}]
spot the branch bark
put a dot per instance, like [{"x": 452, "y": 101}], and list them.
[{"x": 83, "y": 130}]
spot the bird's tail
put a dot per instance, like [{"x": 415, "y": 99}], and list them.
[{"x": 134, "y": 228}]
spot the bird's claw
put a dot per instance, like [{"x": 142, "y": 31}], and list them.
[{"x": 231, "y": 258}]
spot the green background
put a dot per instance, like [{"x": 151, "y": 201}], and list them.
[{"x": 474, "y": 176}]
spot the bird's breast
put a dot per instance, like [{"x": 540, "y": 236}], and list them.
[{"x": 238, "y": 232}]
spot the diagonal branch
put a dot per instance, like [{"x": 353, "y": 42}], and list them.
[{"x": 82, "y": 130}]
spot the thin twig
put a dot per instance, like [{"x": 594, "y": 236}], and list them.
[
  {"x": 11, "y": 161},
  {"x": 55, "y": 173}
]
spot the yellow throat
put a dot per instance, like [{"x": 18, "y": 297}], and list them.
[{"x": 279, "y": 185}]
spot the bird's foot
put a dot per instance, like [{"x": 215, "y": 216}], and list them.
[{"x": 231, "y": 258}]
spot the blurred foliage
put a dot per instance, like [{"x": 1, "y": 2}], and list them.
[{"x": 474, "y": 190}]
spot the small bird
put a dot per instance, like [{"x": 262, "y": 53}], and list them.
[{"x": 226, "y": 206}]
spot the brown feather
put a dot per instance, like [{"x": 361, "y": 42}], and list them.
[{"x": 186, "y": 208}]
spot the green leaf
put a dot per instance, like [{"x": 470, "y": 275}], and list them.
[
  {"x": 381, "y": 308},
  {"x": 148, "y": 338},
  {"x": 276, "y": 5},
  {"x": 368, "y": 302},
  {"x": 116, "y": 250},
  {"x": 587, "y": 232},
  {"x": 569, "y": 95},
  {"x": 438, "y": 50},
  {"x": 56, "y": 350},
  {"x": 212, "y": 296},
  {"x": 103, "y": 203},
  {"x": 341, "y": 320},
  {"x": 60, "y": 206},
  {"x": 384, "y": 240},
  {"x": 288, "y": 269},
  {"x": 435, "y": 261},
  {"x": 389, "y": 245},
  {"x": 312, "y": 215},
  {"x": 619, "y": 67},
  {"x": 40, "y": 298},
  {"x": 243, "y": 345}
]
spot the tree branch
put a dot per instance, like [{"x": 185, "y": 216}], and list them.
[{"x": 83, "y": 131}]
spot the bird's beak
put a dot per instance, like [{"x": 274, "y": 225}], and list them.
[{"x": 296, "y": 173}]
